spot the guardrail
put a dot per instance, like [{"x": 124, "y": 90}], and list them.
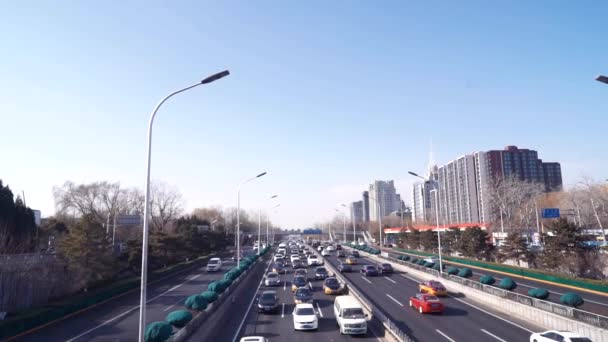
[
  {"x": 558, "y": 309},
  {"x": 376, "y": 312}
]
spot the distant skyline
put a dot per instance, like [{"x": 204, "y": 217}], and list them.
[{"x": 325, "y": 97}]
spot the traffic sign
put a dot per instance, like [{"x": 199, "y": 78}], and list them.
[{"x": 550, "y": 212}]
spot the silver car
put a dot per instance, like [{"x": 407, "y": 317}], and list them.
[{"x": 272, "y": 279}]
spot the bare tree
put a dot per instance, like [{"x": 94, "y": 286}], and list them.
[
  {"x": 166, "y": 205},
  {"x": 98, "y": 199},
  {"x": 514, "y": 202}
]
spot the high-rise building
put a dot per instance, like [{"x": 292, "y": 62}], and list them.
[
  {"x": 458, "y": 191},
  {"x": 365, "y": 206},
  {"x": 553, "y": 176},
  {"x": 356, "y": 212},
  {"x": 382, "y": 199}
]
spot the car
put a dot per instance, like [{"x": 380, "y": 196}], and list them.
[
  {"x": 214, "y": 265},
  {"x": 325, "y": 252},
  {"x": 350, "y": 316},
  {"x": 296, "y": 263},
  {"x": 331, "y": 285},
  {"x": 341, "y": 254},
  {"x": 426, "y": 303},
  {"x": 320, "y": 248},
  {"x": 313, "y": 260},
  {"x": 300, "y": 272},
  {"x": 272, "y": 279},
  {"x": 355, "y": 254},
  {"x": 369, "y": 270},
  {"x": 302, "y": 295},
  {"x": 351, "y": 260},
  {"x": 282, "y": 250},
  {"x": 294, "y": 257},
  {"x": 321, "y": 273},
  {"x": 385, "y": 268},
  {"x": 331, "y": 248},
  {"x": 278, "y": 257},
  {"x": 268, "y": 302},
  {"x": 555, "y": 335},
  {"x": 278, "y": 268},
  {"x": 253, "y": 339},
  {"x": 338, "y": 247},
  {"x": 297, "y": 282},
  {"x": 344, "y": 267},
  {"x": 305, "y": 317},
  {"x": 433, "y": 287},
  {"x": 307, "y": 252}
]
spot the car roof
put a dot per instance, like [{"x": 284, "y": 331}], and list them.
[
  {"x": 565, "y": 333},
  {"x": 252, "y": 339},
  {"x": 269, "y": 291},
  {"x": 304, "y": 306},
  {"x": 215, "y": 259},
  {"x": 273, "y": 274}
]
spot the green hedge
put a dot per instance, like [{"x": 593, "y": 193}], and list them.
[
  {"x": 158, "y": 332},
  {"x": 596, "y": 285},
  {"x": 538, "y": 293},
  {"x": 571, "y": 299},
  {"x": 507, "y": 284},
  {"x": 465, "y": 273},
  {"x": 210, "y": 296},
  {"x": 487, "y": 280},
  {"x": 34, "y": 317},
  {"x": 429, "y": 264},
  {"x": 179, "y": 318},
  {"x": 196, "y": 302},
  {"x": 453, "y": 271}
]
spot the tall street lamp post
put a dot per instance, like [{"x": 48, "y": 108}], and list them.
[
  {"x": 145, "y": 233},
  {"x": 238, "y": 218}
]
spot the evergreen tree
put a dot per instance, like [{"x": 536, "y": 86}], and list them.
[
  {"x": 450, "y": 239},
  {"x": 428, "y": 240},
  {"x": 413, "y": 239},
  {"x": 514, "y": 247},
  {"x": 474, "y": 243},
  {"x": 561, "y": 246}
]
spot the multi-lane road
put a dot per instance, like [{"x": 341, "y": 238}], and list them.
[
  {"x": 594, "y": 302},
  {"x": 118, "y": 318}
]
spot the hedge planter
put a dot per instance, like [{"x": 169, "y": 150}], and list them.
[
  {"x": 507, "y": 284},
  {"x": 465, "y": 273},
  {"x": 209, "y": 296},
  {"x": 421, "y": 262},
  {"x": 413, "y": 260},
  {"x": 487, "y": 280},
  {"x": 158, "y": 332},
  {"x": 196, "y": 303},
  {"x": 538, "y": 293},
  {"x": 224, "y": 283},
  {"x": 179, "y": 318},
  {"x": 571, "y": 299},
  {"x": 429, "y": 264},
  {"x": 453, "y": 271}
]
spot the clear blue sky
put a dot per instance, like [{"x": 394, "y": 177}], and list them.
[{"x": 324, "y": 96}]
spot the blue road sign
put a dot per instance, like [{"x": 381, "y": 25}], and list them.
[{"x": 550, "y": 212}]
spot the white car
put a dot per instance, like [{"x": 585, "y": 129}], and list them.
[
  {"x": 253, "y": 339},
  {"x": 555, "y": 335},
  {"x": 313, "y": 260},
  {"x": 320, "y": 248},
  {"x": 278, "y": 257},
  {"x": 305, "y": 317},
  {"x": 325, "y": 252},
  {"x": 214, "y": 265},
  {"x": 272, "y": 279},
  {"x": 282, "y": 250},
  {"x": 294, "y": 257},
  {"x": 330, "y": 248}
]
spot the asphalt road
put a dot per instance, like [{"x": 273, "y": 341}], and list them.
[
  {"x": 461, "y": 321},
  {"x": 595, "y": 303},
  {"x": 279, "y": 326},
  {"x": 118, "y": 319}
]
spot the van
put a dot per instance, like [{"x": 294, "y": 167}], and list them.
[
  {"x": 350, "y": 315},
  {"x": 214, "y": 265},
  {"x": 282, "y": 245}
]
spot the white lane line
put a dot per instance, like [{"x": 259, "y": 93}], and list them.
[
  {"x": 496, "y": 337},
  {"x": 394, "y": 300},
  {"x": 236, "y": 335},
  {"x": 493, "y": 315},
  {"x": 410, "y": 278},
  {"x": 319, "y": 308},
  {"x": 128, "y": 311},
  {"x": 310, "y": 285},
  {"x": 444, "y": 335},
  {"x": 169, "y": 307},
  {"x": 284, "y": 285},
  {"x": 283, "y": 311},
  {"x": 367, "y": 280},
  {"x": 391, "y": 280}
]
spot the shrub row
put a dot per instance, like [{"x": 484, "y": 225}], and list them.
[{"x": 370, "y": 250}]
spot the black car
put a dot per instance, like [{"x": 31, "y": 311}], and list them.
[
  {"x": 355, "y": 254},
  {"x": 297, "y": 282},
  {"x": 321, "y": 273},
  {"x": 385, "y": 268},
  {"x": 369, "y": 270},
  {"x": 268, "y": 302},
  {"x": 297, "y": 263},
  {"x": 341, "y": 254},
  {"x": 279, "y": 268},
  {"x": 302, "y": 295},
  {"x": 338, "y": 247},
  {"x": 300, "y": 272},
  {"x": 344, "y": 267}
]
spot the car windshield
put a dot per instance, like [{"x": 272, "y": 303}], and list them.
[
  {"x": 299, "y": 280},
  {"x": 303, "y": 292},
  {"x": 321, "y": 270},
  {"x": 431, "y": 299},
  {"x": 272, "y": 275},
  {"x": 214, "y": 262},
  {"x": 305, "y": 311},
  {"x": 268, "y": 296},
  {"x": 332, "y": 282},
  {"x": 353, "y": 313}
]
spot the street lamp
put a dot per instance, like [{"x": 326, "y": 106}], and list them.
[
  {"x": 268, "y": 223},
  {"x": 344, "y": 213},
  {"x": 602, "y": 78},
  {"x": 436, "y": 193},
  {"x": 260, "y": 226},
  {"x": 354, "y": 226},
  {"x": 144, "y": 248},
  {"x": 238, "y": 218}
]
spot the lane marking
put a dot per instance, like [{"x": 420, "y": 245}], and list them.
[
  {"x": 236, "y": 335},
  {"x": 367, "y": 280},
  {"x": 319, "y": 309},
  {"x": 391, "y": 280},
  {"x": 284, "y": 285},
  {"x": 496, "y": 337},
  {"x": 394, "y": 300},
  {"x": 444, "y": 335},
  {"x": 493, "y": 315},
  {"x": 169, "y": 307},
  {"x": 310, "y": 285},
  {"x": 283, "y": 311},
  {"x": 410, "y": 278}
]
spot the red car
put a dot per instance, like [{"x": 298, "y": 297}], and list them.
[{"x": 426, "y": 303}]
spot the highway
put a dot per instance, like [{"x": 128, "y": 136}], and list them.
[
  {"x": 594, "y": 302},
  {"x": 461, "y": 321},
  {"x": 117, "y": 319},
  {"x": 279, "y": 326}
]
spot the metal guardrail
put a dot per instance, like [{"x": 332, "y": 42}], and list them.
[{"x": 558, "y": 309}]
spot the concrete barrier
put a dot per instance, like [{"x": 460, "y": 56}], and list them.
[{"x": 495, "y": 298}]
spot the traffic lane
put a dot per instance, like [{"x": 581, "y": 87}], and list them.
[
  {"x": 106, "y": 315},
  {"x": 459, "y": 322},
  {"x": 594, "y": 302}
]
